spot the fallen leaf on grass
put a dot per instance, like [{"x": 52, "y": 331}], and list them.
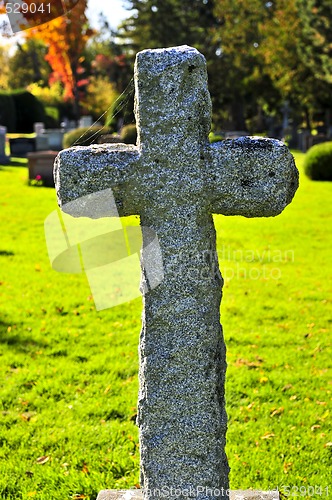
[
  {"x": 314, "y": 427},
  {"x": 287, "y": 466},
  {"x": 268, "y": 435},
  {"x": 43, "y": 460},
  {"x": 323, "y": 417},
  {"x": 328, "y": 445},
  {"x": 276, "y": 412},
  {"x": 85, "y": 469},
  {"x": 244, "y": 362}
]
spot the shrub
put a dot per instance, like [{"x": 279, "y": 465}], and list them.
[
  {"x": 129, "y": 134},
  {"x": 7, "y": 112},
  {"x": 83, "y": 136},
  {"x": 28, "y": 111},
  {"x": 121, "y": 111},
  {"x": 101, "y": 96},
  {"x": 318, "y": 162},
  {"x": 52, "y": 117},
  {"x": 215, "y": 138},
  {"x": 49, "y": 96}
]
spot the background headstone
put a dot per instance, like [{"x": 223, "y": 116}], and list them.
[
  {"x": 39, "y": 128},
  {"x": 41, "y": 165},
  {"x": 86, "y": 121},
  {"x": 55, "y": 138},
  {"x": 4, "y": 159},
  {"x": 21, "y": 146}
]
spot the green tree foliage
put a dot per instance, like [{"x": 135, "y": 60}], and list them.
[
  {"x": 101, "y": 94},
  {"x": 4, "y": 62},
  {"x": 315, "y": 44},
  {"x": 248, "y": 87},
  {"x": 28, "y": 65},
  {"x": 106, "y": 58},
  {"x": 166, "y": 23},
  {"x": 281, "y": 51}
]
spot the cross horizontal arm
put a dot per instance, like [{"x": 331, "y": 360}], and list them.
[
  {"x": 250, "y": 176},
  {"x": 80, "y": 171}
]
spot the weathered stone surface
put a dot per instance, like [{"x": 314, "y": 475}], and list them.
[{"x": 174, "y": 179}]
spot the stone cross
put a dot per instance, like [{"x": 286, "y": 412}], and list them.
[{"x": 175, "y": 180}]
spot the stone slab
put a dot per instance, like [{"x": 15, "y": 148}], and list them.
[
  {"x": 41, "y": 163},
  {"x": 42, "y": 143},
  {"x": 21, "y": 146},
  {"x": 4, "y": 159},
  {"x": 234, "y": 495}
]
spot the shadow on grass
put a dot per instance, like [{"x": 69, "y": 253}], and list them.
[
  {"x": 6, "y": 253},
  {"x": 15, "y": 162},
  {"x": 12, "y": 334}
]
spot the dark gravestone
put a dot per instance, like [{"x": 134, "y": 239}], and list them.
[{"x": 21, "y": 146}]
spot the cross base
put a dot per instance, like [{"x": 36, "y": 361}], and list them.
[{"x": 234, "y": 495}]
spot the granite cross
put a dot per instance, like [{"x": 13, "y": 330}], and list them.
[{"x": 175, "y": 180}]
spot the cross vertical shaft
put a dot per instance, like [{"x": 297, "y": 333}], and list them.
[{"x": 181, "y": 405}]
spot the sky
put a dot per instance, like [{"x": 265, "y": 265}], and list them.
[{"x": 112, "y": 9}]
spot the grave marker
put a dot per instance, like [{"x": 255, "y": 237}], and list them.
[
  {"x": 4, "y": 159},
  {"x": 175, "y": 180}
]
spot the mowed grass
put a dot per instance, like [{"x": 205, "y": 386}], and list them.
[{"x": 69, "y": 373}]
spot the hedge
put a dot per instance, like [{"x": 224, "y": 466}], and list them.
[
  {"x": 7, "y": 112},
  {"x": 28, "y": 111},
  {"x": 19, "y": 110}
]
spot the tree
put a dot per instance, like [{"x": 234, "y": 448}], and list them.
[
  {"x": 164, "y": 23},
  {"x": 28, "y": 64},
  {"x": 4, "y": 65},
  {"x": 294, "y": 75},
  {"x": 248, "y": 87},
  {"x": 66, "y": 38},
  {"x": 107, "y": 58},
  {"x": 101, "y": 95},
  {"x": 315, "y": 44}
]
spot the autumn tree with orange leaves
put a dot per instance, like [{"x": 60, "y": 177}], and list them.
[{"x": 66, "y": 37}]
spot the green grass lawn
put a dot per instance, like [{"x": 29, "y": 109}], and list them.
[{"x": 69, "y": 373}]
